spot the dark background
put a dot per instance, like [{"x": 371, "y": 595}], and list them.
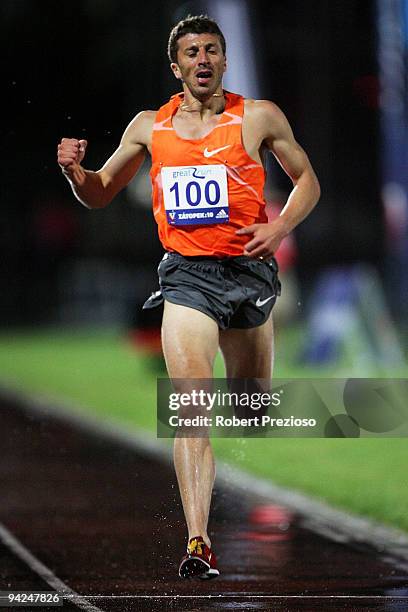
[{"x": 85, "y": 68}]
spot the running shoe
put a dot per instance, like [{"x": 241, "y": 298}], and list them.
[
  {"x": 198, "y": 561},
  {"x": 212, "y": 572}
]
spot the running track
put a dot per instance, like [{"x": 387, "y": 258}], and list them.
[{"x": 106, "y": 522}]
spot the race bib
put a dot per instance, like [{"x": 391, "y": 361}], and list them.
[{"x": 195, "y": 195}]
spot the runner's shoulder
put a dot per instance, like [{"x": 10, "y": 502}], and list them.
[
  {"x": 144, "y": 119},
  {"x": 265, "y": 115},
  {"x": 263, "y": 110},
  {"x": 140, "y": 128}
]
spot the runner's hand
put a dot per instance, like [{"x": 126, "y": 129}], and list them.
[
  {"x": 266, "y": 238},
  {"x": 70, "y": 153}
]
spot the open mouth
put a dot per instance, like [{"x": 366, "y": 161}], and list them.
[{"x": 204, "y": 76}]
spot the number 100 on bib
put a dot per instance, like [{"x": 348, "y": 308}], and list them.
[{"x": 195, "y": 195}]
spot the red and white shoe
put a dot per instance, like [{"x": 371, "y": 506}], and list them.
[
  {"x": 198, "y": 561},
  {"x": 212, "y": 572}
]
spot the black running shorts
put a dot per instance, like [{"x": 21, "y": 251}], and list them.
[{"x": 237, "y": 292}]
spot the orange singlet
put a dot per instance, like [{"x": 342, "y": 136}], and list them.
[{"x": 244, "y": 180}]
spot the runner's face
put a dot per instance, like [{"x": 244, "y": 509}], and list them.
[{"x": 200, "y": 63}]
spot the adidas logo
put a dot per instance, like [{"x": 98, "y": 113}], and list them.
[{"x": 221, "y": 215}]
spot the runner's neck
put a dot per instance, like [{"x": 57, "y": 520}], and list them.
[{"x": 214, "y": 105}]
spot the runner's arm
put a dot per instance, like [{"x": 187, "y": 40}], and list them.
[
  {"x": 96, "y": 189},
  {"x": 294, "y": 161},
  {"x": 277, "y": 135}
]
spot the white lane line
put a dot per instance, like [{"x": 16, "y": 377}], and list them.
[
  {"x": 316, "y": 516},
  {"x": 240, "y": 596},
  {"x": 20, "y": 551}
]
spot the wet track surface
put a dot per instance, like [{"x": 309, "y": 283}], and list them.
[{"x": 108, "y": 523}]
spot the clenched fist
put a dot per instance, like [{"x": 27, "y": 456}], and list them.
[{"x": 71, "y": 152}]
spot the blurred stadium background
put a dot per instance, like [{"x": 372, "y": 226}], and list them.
[{"x": 73, "y": 281}]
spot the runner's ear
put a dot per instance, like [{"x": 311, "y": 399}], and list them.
[{"x": 176, "y": 71}]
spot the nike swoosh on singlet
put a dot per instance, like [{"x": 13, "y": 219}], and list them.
[
  {"x": 208, "y": 153},
  {"x": 260, "y": 302}
]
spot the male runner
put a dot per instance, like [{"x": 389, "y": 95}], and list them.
[{"x": 218, "y": 277}]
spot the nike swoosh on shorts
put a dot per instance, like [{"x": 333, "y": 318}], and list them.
[
  {"x": 208, "y": 153},
  {"x": 260, "y": 302}
]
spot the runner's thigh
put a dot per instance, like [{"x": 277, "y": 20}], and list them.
[
  {"x": 190, "y": 342},
  {"x": 248, "y": 353}
]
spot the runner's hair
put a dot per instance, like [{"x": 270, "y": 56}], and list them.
[{"x": 193, "y": 24}]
